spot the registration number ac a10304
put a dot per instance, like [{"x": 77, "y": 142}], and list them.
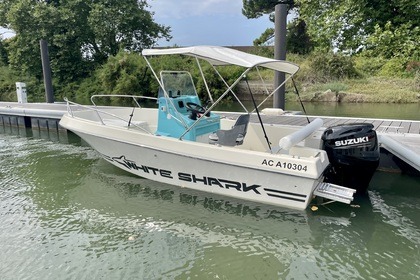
[{"x": 285, "y": 165}]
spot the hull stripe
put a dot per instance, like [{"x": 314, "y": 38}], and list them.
[
  {"x": 286, "y": 197},
  {"x": 283, "y": 192}
]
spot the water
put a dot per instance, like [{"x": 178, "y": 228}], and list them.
[
  {"x": 363, "y": 110},
  {"x": 397, "y": 111},
  {"x": 67, "y": 214}
]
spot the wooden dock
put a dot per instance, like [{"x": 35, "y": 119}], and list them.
[{"x": 405, "y": 133}]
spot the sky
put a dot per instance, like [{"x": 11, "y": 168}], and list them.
[
  {"x": 207, "y": 22},
  {"x": 204, "y": 22}
]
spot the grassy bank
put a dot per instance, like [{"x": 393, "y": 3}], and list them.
[
  {"x": 370, "y": 89},
  {"x": 337, "y": 78}
]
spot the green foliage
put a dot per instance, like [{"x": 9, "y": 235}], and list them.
[
  {"x": 216, "y": 85},
  {"x": 397, "y": 12},
  {"x": 413, "y": 67},
  {"x": 8, "y": 79},
  {"x": 81, "y": 34},
  {"x": 385, "y": 89},
  {"x": 4, "y": 60},
  {"x": 345, "y": 24},
  {"x": 333, "y": 24},
  {"x": 368, "y": 66},
  {"x": 335, "y": 87},
  {"x": 378, "y": 28},
  {"x": 326, "y": 67},
  {"x": 379, "y": 66},
  {"x": 125, "y": 73},
  {"x": 393, "y": 67},
  {"x": 256, "y": 8},
  {"x": 394, "y": 42},
  {"x": 298, "y": 40},
  {"x": 265, "y": 38},
  {"x": 319, "y": 72},
  {"x": 7, "y": 84},
  {"x": 33, "y": 21},
  {"x": 124, "y": 25},
  {"x": 182, "y": 63},
  {"x": 416, "y": 84},
  {"x": 383, "y": 80},
  {"x": 371, "y": 89},
  {"x": 266, "y": 51},
  {"x": 80, "y": 91}
]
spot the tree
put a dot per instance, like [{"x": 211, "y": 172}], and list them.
[
  {"x": 349, "y": 26},
  {"x": 345, "y": 25},
  {"x": 123, "y": 25},
  {"x": 257, "y": 8},
  {"x": 298, "y": 40},
  {"x": 394, "y": 42},
  {"x": 81, "y": 34}
]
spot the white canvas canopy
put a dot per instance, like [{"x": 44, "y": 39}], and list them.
[{"x": 219, "y": 56}]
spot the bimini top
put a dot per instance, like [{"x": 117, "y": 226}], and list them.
[{"x": 218, "y": 56}]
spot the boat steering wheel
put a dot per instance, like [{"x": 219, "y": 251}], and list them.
[{"x": 195, "y": 108}]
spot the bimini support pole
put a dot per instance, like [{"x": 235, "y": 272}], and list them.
[
  {"x": 204, "y": 80},
  {"x": 258, "y": 114}
]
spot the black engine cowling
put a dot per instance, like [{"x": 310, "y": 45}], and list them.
[{"x": 353, "y": 152}]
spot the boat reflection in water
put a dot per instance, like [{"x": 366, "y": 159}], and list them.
[{"x": 207, "y": 230}]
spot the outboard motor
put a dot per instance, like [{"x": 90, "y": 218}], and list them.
[{"x": 353, "y": 152}]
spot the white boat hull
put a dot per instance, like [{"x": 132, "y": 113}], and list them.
[
  {"x": 283, "y": 180},
  {"x": 207, "y": 175}
]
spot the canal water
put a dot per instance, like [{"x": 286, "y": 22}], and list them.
[
  {"x": 410, "y": 111},
  {"x": 67, "y": 214}
]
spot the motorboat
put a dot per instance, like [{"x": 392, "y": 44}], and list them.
[{"x": 181, "y": 141}]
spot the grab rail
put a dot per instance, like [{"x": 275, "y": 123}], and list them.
[{"x": 97, "y": 111}]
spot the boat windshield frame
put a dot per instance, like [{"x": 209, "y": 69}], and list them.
[
  {"x": 221, "y": 56},
  {"x": 183, "y": 85}
]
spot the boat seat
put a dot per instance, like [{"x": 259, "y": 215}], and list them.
[{"x": 231, "y": 137}]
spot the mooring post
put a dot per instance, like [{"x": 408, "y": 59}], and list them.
[
  {"x": 46, "y": 69},
  {"x": 280, "y": 24}
]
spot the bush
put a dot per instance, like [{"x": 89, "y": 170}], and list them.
[
  {"x": 3, "y": 53},
  {"x": 124, "y": 73},
  {"x": 8, "y": 79},
  {"x": 394, "y": 67},
  {"x": 369, "y": 66},
  {"x": 413, "y": 67},
  {"x": 329, "y": 67}
]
